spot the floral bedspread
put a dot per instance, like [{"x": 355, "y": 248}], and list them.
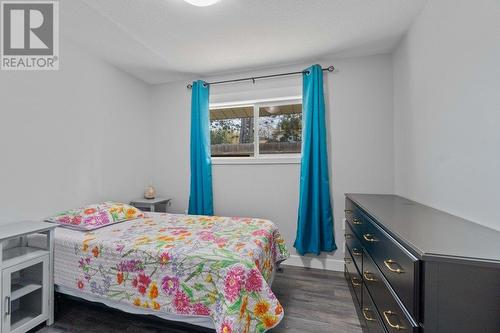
[{"x": 188, "y": 265}]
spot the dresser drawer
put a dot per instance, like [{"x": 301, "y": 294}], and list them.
[
  {"x": 355, "y": 247},
  {"x": 398, "y": 266},
  {"x": 353, "y": 276},
  {"x": 373, "y": 321},
  {"x": 354, "y": 217},
  {"x": 393, "y": 315}
]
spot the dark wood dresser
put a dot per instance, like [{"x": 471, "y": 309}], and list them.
[{"x": 412, "y": 268}]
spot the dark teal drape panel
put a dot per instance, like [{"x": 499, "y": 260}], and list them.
[
  {"x": 200, "y": 197},
  {"x": 315, "y": 218}
]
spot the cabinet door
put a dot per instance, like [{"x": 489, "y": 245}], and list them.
[
  {"x": 6, "y": 302},
  {"x": 25, "y": 295}
]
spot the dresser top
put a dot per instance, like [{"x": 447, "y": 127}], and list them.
[{"x": 428, "y": 232}]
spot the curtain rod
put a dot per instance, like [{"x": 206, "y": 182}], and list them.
[{"x": 329, "y": 68}]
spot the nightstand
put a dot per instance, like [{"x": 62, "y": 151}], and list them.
[
  {"x": 151, "y": 204},
  {"x": 27, "y": 276}
]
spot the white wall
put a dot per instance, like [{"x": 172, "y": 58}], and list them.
[
  {"x": 447, "y": 109},
  {"x": 360, "y": 119},
  {"x": 71, "y": 137}
]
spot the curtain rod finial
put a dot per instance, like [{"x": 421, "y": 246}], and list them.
[
  {"x": 331, "y": 68},
  {"x": 189, "y": 86}
]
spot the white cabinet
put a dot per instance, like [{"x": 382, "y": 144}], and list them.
[{"x": 26, "y": 277}]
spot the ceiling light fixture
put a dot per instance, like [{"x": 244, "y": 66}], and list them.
[{"x": 201, "y": 3}]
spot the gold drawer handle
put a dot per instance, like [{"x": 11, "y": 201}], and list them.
[
  {"x": 356, "y": 252},
  {"x": 369, "y": 238},
  {"x": 355, "y": 282},
  {"x": 396, "y": 326},
  {"x": 389, "y": 263},
  {"x": 348, "y": 236},
  {"x": 367, "y": 317},
  {"x": 356, "y": 221},
  {"x": 347, "y": 211},
  {"x": 369, "y": 276}
]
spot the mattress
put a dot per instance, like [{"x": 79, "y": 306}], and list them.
[{"x": 213, "y": 272}]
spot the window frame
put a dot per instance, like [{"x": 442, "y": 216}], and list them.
[{"x": 258, "y": 158}]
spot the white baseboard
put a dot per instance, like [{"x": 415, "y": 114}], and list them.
[{"x": 312, "y": 262}]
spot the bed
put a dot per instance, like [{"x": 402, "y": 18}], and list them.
[{"x": 209, "y": 271}]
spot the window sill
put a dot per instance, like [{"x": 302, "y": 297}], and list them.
[{"x": 253, "y": 160}]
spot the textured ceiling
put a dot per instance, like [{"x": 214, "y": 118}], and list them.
[{"x": 166, "y": 40}]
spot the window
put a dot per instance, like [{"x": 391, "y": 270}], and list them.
[
  {"x": 280, "y": 129},
  {"x": 257, "y": 131},
  {"x": 231, "y": 132}
]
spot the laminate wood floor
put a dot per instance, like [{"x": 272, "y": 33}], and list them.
[{"x": 315, "y": 301}]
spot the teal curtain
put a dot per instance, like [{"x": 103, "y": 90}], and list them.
[
  {"x": 200, "y": 197},
  {"x": 315, "y": 218}
]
